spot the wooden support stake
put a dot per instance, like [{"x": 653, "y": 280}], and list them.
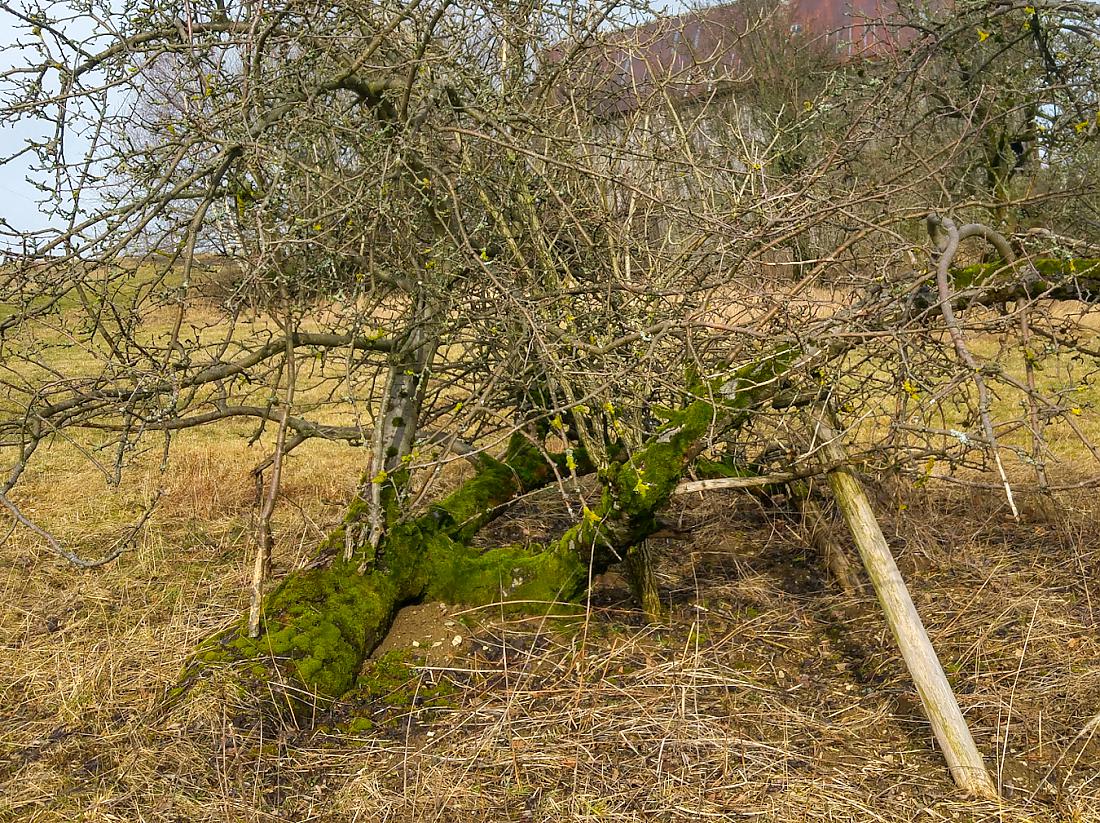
[
  {"x": 818, "y": 534},
  {"x": 948, "y": 724}
]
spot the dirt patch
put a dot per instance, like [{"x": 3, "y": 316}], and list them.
[{"x": 427, "y": 631}]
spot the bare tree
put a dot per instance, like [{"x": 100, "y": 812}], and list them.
[{"x": 496, "y": 259}]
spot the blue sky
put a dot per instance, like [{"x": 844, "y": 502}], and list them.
[{"x": 18, "y": 204}]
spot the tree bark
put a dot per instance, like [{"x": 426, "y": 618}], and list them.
[{"x": 643, "y": 580}]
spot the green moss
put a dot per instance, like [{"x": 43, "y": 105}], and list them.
[
  {"x": 726, "y": 467},
  {"x": 1071, "y": 267},
  {"x": 1056, "y": 269},
  {"x": 358, "y": 725},
  {"x": 740, "y": 389},
  {"x": 317, "y": 623},
  {"x": 383, "y": 677},
  {"x": 357, "y": 512},
  {"x": 389, "y": 688},
  {"x": 320, "y": 623},
  {"x": 646, "y": 481},
  {"x": 466, "y": 510},
  {"x": 516, "y": 573},
  {"x": 462, "y": 513},
  {"x": 633, "y": 492}
]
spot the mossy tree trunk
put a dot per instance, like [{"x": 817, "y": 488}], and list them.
[
  {"x": 632, "y": 494},
  {"x": 991, "y": 284},
  {"x": 320, "y": 623}
]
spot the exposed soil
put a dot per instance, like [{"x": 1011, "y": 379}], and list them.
[{"x": 426, "y": 631}]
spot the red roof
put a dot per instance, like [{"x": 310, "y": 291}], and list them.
[{"x": 692, "y": 53}]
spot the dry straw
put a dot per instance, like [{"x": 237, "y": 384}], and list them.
[{"x": 766, "y": 695}]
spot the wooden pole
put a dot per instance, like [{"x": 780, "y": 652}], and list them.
[
  {"x": 818, "y": 534},
  {"x": 948, "y": 724}
]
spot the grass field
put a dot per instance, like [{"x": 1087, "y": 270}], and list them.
[{"x": 767, "y": 694}]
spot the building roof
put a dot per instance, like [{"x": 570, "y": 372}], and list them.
[{"x": 691, "y": 54}]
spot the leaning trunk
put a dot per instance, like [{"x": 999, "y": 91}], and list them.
[{"x": 320, "y": 624}]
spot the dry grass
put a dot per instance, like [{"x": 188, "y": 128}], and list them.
[{"x": 767, "y": 694}]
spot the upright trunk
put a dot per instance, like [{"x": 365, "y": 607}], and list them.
[
  {"x": 396, "y": 427},
  {"x": 405, "y": 394},
  {"x": 643, "y": 579}
]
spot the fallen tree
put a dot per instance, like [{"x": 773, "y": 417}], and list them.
[
  {"x": 319, "y": 624},
  {"x": 421, "y": 238}
]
